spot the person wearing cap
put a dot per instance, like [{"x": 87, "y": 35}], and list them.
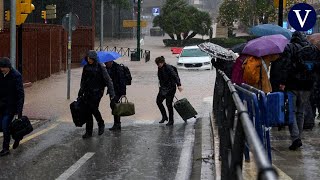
[
  {"x": 94, "y": 79},
  {"x": 11, "y": 101}
]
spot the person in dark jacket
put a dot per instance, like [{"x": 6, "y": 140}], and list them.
[
  {"x": 93, "y": 82},
  {"x": 117, "y": 75},
  {"x": 11, "y": 101},
  {"x": 169, "y": 81},
  {"x": 286, "y": 75}
]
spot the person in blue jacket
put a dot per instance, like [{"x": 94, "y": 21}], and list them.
[{"x": 11, "y": 101}]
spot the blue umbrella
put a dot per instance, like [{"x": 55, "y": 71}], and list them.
[
  {"x": 270, "y": 29},
  {"x": 105, "y": 56}
]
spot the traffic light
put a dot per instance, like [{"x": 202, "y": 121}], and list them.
[
  {"x": 43, "y": 14},
  {"x": 7, "y": 15},
  {"x": 24, "y": 8}
]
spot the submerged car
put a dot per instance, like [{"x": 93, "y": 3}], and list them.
[{"x": 192, "y": 57}]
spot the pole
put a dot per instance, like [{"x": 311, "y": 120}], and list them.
[
  {"x": 280, "y": 13},
  {"x": 20, "y": 49},
  {"x": 1, "y": 15},
  {"x": 13, "y": 34},
  {"x": 101, "y": 26},
  {"x": 138, "y": 30},
  {"x": 69, "y": 54}
]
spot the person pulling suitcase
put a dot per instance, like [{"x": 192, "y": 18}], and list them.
[{"x": 169, "y": 81}]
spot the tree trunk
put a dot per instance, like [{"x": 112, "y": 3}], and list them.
[
  {"x": 171, "y": 36},
  {"x": 179, "y": 36},
  {"x": 185, "y": 35},
  {"x": 193, "y": 34}
]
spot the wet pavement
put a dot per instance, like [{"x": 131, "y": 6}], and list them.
[
  {"x": 139, "y": 151},
  {"x": 303, "y": 163},
  {"x": 142, "y": 150}
]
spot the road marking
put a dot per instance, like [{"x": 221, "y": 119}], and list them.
[
  {"x": 75, "y": 166},
  {"x": 185, "y": 162},
  {"x": 24, "y": 140}
]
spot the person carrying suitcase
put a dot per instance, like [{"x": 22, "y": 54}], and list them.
[
  {"x": 169, "y": 81},
  {"x": 93, "y": 81},
  {"x": 11, "y": 101}
]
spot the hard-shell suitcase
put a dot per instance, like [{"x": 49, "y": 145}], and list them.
[
  {"x": 20, "y": 128},
  {"x": 79, "y": 112},
  {"x": 280, "y": 108},
  {"x": 185, "y": 109}
]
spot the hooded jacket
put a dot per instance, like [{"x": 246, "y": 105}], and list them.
[{"x": 95, "y": 78}]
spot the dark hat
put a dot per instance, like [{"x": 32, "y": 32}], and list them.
[
  {"x": 5, "y": 62},
  {"x": 298, "y": 36},
  {"x": 92, "y": 55}
]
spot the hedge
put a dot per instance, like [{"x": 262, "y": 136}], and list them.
[{"x": 224, "y": 42}]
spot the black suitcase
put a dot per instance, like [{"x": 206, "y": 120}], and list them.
[
  {"x": 20, "y": 128},
  {"x": 185, "y": 109},
  {"x": 79, "y": 112}
]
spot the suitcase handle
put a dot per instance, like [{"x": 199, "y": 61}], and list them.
[{"x": 176, "y": 98}]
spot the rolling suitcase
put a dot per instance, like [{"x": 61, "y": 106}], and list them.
[
  {"x": 20, "y": 128},
  {"x": 184, "y": 109},
  {"x": 79, "y": 112}
]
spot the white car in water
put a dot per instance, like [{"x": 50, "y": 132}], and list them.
[{"x": 191, "y": 57}]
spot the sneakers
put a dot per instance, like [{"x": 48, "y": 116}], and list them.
[
  {"x": 16, "y": 144},
  {"x": 101, "y": 130},
  {"x": 4, "y": 152},
  {"x": 87, "y": 135},
  {"x": 115, "y": 127},
  {"x": 295, "y": 144},
  {"x": 163, "y": 120}
]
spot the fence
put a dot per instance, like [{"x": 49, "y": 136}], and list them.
[
  {"x": 123, "y": 51},
  {"x": 44, "y": 49},
  {"x": 235, "y": 129}
]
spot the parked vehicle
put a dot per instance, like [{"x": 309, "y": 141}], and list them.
[{"x": 192, "y": 57}]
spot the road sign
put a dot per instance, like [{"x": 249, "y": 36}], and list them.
[
  {"x": 52, "y": 6},
  {"x": 74, "y": 21},
  {"x": 133, "y": 23},
  {"x": 51, "y": 11}
]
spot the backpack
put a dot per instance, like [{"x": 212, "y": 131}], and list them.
[
  {"x": 305, "y": 62},
  {"x": 127, "y": 74},
  {"x": 175, "y": 69},
  {"x": 252, "y": 70}
]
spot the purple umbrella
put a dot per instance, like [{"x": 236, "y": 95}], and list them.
[{"x": 266, "y": 45}]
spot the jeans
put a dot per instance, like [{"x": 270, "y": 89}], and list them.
[
  {"x": 300, "y": 100},
  {"x": 5, "y": 121}
]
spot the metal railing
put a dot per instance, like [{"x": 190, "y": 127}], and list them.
[
  {"x": 235, "y": 129},
  {"x": 123, "y": 51}
]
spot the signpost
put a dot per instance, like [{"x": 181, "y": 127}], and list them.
[{"x": 70, "y": 23}]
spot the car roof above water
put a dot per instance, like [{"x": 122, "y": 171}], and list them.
[{"x": 191, "y": 47}]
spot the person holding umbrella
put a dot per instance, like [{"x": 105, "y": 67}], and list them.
[
  {"x": 93, "y": 81},
  {"x": 116, "y": 72}
]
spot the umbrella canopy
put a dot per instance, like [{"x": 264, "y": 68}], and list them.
[
  {"x": 105, "y": 56},
  {"x": 238, "y": 48},
  {"x": 266, "y": 45},
  {"x": 270, "y": 29},
  {"x": 315, "y": 39},
  {"x": 217, "y": 51}
]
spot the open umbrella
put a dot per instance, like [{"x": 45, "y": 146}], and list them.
[
  {"x": 270, "y": 29},
  {"x": 105, "y": 56},
  {"x": 217, "y": 51},
  {"x": 238, "y": 48},
  {"x": 266, "y": 45},
  {"x": 315, "y": 39}
]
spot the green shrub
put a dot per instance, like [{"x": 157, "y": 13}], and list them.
[{"x": 224, "y": 42}]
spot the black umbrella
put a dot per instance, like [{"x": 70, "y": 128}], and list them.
[{"x": 238, "y": 48}]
